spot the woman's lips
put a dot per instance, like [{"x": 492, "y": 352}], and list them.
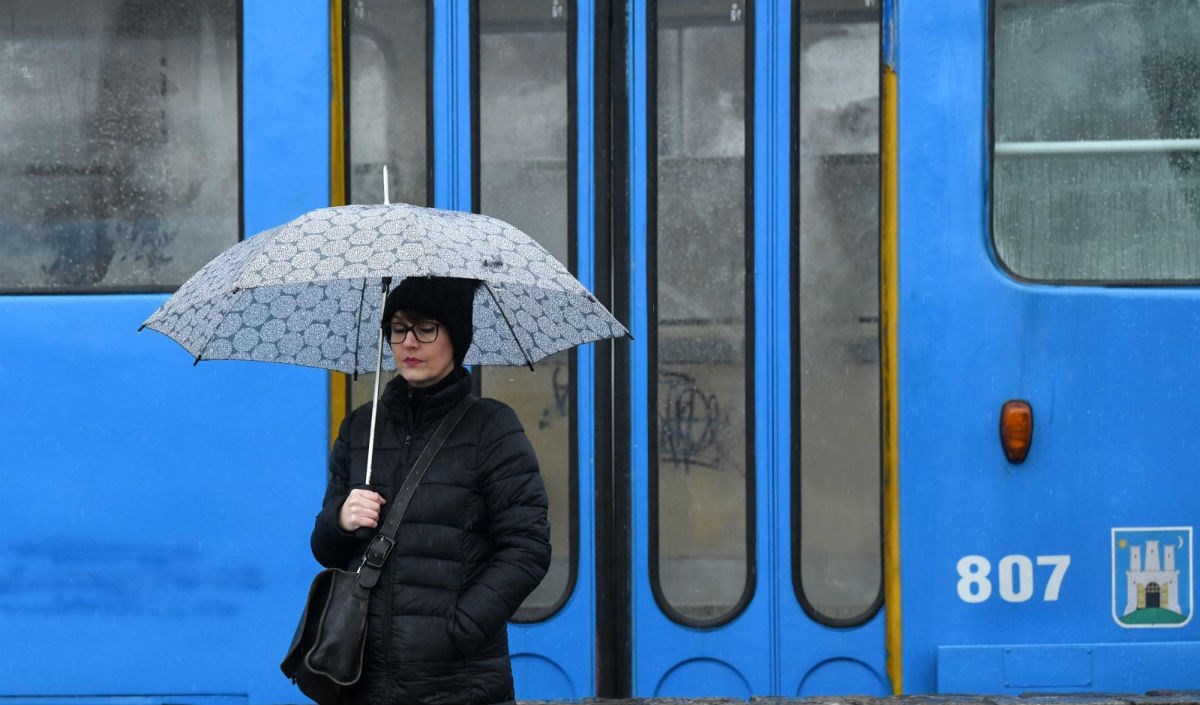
[{"x": 412, "y": 361}]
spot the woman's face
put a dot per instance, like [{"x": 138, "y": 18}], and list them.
[{"x": 420, "y": 364}]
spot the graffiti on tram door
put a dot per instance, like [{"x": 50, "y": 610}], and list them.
[
  {"x": 1152, "y": 576},
  {"x": 689, "y": 421}
]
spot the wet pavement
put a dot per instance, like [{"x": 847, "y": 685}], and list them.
[{"x": 1154, "y": 697}]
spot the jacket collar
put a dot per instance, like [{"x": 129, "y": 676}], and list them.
[{"x": 418, "y": 405}]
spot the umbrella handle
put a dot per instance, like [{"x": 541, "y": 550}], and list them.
[{"x": 386, "y": 284}]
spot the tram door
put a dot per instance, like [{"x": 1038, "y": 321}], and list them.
[
  {"x": 754, "y": 373},
  {"x": 487, "y": 106},
  {"x": 755, "y": 561},
  {"x": 1070, "y": 287},
  {"x": 533, "y": 168}
]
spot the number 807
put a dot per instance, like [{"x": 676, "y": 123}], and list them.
[{"x": 1014, "y": 577}]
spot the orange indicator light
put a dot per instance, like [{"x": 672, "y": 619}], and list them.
[{"x": 1016, "y": 429}]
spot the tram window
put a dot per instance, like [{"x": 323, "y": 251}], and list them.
[
  {"x": 701, "y": 475},
  {"x": 1096, "y": 159},
  {"x": 388, "y": 100},
  {"x": 118, "y": 142},
  {"x": 387, "y": 107},
  {"x": 524, "y": 174},
  {"x": 836, "y": 478}
]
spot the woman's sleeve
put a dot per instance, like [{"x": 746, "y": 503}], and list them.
[
  {"x": 332, "y": 546},
  {"x": 512, "y": 487}
]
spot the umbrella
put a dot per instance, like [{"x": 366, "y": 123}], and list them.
[
  {"x": 311, "y": 292},
  {"x": 304, "y": 292}
]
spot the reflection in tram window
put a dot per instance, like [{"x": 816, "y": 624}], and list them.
[
  {"x": 701, "y": 485},
  {"x": 388, "y": 101},
  {"x": 1096, "y": 173},
  {"x": 523, "y": 178},
  {"x": 386, "y": 114},
  {"x": 836, "y": 486},
  {"x": 118, "y": 142}
]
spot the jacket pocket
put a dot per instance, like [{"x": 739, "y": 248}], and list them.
[{"x": 466, "y": 636}]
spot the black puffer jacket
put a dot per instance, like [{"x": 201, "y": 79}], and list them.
[{"x": 473, "y": 544}]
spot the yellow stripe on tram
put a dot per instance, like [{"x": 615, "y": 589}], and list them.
[
  {"x": 889, "y": 299},
  {"x": 339, "y": 385}
]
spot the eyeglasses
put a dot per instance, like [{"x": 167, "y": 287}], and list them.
[{"x": 425, "y": 332}]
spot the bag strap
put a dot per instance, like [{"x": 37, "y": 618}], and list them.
[{"x": 382, "y": 543}]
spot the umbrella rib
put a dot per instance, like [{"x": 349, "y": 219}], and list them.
[
  {"x": 238, "y": 292},
  {"x": 358, "y": 328},
  {"x": 510, "y": 325}
]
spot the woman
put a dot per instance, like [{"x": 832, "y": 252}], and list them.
[{"x": 475, "y": 540}]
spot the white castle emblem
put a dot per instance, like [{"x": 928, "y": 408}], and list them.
[
  {"x": 1152, "y": 576},
  {"x": 1152, "y": 585}
]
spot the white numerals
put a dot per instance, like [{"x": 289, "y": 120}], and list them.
[
  {"x": 973, "y": 583},
  {"x": 1014, "y": 578},
  {"x": 1060, "y": 564}
]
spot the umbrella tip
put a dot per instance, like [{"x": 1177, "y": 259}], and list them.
[
  {"x": 196, "y": 361},
  {"x": 141, "y": 327}
]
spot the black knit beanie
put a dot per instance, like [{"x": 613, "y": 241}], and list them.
[{"x": 444, "y": 299}]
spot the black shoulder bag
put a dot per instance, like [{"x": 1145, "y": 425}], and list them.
[{"x": 327, "y": 652}]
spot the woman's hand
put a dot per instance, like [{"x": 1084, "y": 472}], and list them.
[{"x": 360, "y": 509}]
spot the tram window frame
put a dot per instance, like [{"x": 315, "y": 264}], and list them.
[
  {"x": 828, "y": 12},
  {"x": 125, "y": 217},
  {"x": 1003, "y": 244},
  {"x": 526, "y": 614},
  {"x": 359, "y": 391},
  {"x": 652, "y": 204}
]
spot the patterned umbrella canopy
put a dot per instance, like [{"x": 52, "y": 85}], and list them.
[{"x": 309, "y": 292}]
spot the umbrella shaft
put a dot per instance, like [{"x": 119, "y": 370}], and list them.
[{"x": 387, "y": 281}]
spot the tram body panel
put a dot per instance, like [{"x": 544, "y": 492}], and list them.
[
  {"x": 1015, "y": 576},
  {"x": 1069, "y": 572},
  {"x": 134, "y": 498},
  {"x": 156, "y": 513}
]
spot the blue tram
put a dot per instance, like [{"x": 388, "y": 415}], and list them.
[{"x": 910, "y": 405}]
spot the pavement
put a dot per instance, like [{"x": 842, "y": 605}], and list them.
[{"x": 1154, "y": 697}]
